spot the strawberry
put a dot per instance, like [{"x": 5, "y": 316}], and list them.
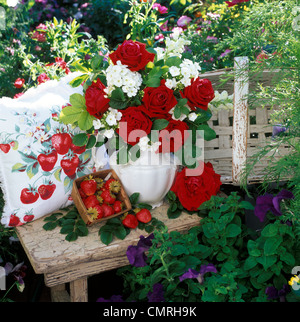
[
  {"x": 117, "y": 206},
  {"x": 130, "y": 221},
  {"x": 112, "y": 185},
  {"x": 5, "y": 147},
  {"x": 47, "y": 161},
  {"x": 108, "y": 197},
  {"x": 70, "y": 164},
  {"x": 82, "y": 193},
  {"x": 61, "y": 142},
  {"x": 29, "y": 195},
  {"x": 107, "y": 210},
  {"x": 89, "y": 186},
  {"x": 144, "y": 215},
  {"x": 100, "y": 211},
  {"x": 14, "y": 221},
  {"x": 90, "y": 201},
  {"x": 46, "y": 190}
]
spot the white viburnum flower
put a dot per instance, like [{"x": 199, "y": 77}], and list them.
[
  {"x": 171, "y": 83},
  {"x": 223, "y": 96},
  {"x": 111, "y": 119},
  {"x": 143, "y": 143},
  {"x": 174, "y": 71},
  {"x": 97, "y": 124},
  {"x": 192, "y": 116},
  {"x": 109, "y": 133}
]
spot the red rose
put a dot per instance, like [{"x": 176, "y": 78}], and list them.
[
  {"x": 192, "y": 191},
  {"x": 159, "y": 100},
  {"x": 135, "y": 118},
  {"x": 43, "y": 78},
  {"x": 173, "y": 136},
  {"x": 19, "y": 82},
  {"x": 199, "y": 93},
  {"x": 96, "y": 99},
  {"x": 132, "y": 54}
]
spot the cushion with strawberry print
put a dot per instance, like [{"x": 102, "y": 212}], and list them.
[{"x": 38, "y": 160}]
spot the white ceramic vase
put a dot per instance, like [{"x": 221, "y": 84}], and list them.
[{"x": 152, "y": 176}]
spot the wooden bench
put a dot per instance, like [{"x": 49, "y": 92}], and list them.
[{"x": 64, "y": 262}]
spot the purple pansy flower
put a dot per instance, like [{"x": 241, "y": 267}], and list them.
[
  {"x": 274, "y": 294},
  {"x": 114, "y": 298},
  {"x": 268, "y": 202},
  {"x": 277, "y": 130},
  {"x": 192, "y": 273},
  {"x": 157, "y": 295},
  {"x": 18, "y": 271},
  {"x": 136, "y": 254}
]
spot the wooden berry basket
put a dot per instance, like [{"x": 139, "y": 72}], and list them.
[{"x": 122, "y": 196}]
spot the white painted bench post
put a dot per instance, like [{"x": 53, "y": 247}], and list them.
[{"x": 240, "y": 117}]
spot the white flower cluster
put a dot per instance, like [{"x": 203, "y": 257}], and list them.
[
  {"x": 192, "y": 115},
  {"x": 221, "y": 101},
  {"x": 184, "y": 73},
  {"x": 109, "y": 122},
  {"x": 145, "y": 146},
  {"x": 175, "y": 46},
  {"x": 120, "y": 76}
]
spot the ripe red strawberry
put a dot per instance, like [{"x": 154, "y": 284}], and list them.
[
  {"x": 117, "y": 205},
  {"x": 108, "y": 197},
  {"x": 82, "y": 194},
  {"x": 130, "y": 221},
  {"x": 144, "y": 215},
  {"x": 28, "y": 218},
  {"x": 89, "y": 186},
  {"x": 77, "y": 149},
  {"x": 90, "y": 201},
  {"x": 100, "y": 211},
  {"x": 14, "y": 221},
  {"x": 46, "y": 190},
  {"x": 47, "y": 161},
  {"x": 29, "y": 195},
  {"x": 5, "y": 147},
  {"x": 112, "y": 185},
  {"x": 107, "y": 210},
  {"x": 70, "y": 164},
  {"x": 61, "y": 142}
]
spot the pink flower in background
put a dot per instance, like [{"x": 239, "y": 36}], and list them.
[
  {"x": 183, "y": 21},
  {"x": 212, "y": 39},
  {"x": 41, "y": 26},
  {"x": 261, "y": 57},
  {"x": 226, "y": 52},
  {"x": 161, "y": 9},
  {"x": 19, "y": 82},
  {"x": 235, "y": 2},
  {"x": 18, "y": 95},
  {"x": 43, "y": 78}
]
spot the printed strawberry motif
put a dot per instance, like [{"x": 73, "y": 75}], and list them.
[
  {"x": 107, "y": 210},
  {"x": 46, "y": 190},
  {"x": 117, "y": 206},
  {"x": 5, "y": 148},
  {"x": 144, "y": 216},
  {"x": 108, "y": 197},
  {"x": 14, "y": 221},
  {"x": 47, "y": 161},
  {"x": 28, "y": 218},
  {"x": 130, "y": 221},
  {"x": 77, "y": 149},
  {"x": 29, "y": 195},
  {"x": 61, "y": 142},
  {"x": 89, "y": 186},
  {"x": 69, "y": 164}
]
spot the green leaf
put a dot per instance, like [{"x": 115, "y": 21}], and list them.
[
  {"x": 171, "y": 195},
  {"x": 77, "y": 81},
  {"x": 66, "y": 229},
  {"x": 96, "y": 62},
  {"x": 70, "y": 114},
  {"x": 72, "y": 236},
  {"x": 270, "y": 230},
  {"x": 173, "y": 215},
  {"x": 232, "y": 230},
  {"x": 246, "y": 205},
  {"x": 271, "y": 245},
  {"x": 173, "y": 61},
  {"x": 252, "y": 249},
  {"x": 32, "y": 169},
  {"x": 118, "y": 95},
  {"x": 82, "y": 230},
  {"x": 80, "y": 139},
  {"x": 134, "y": 198},
  {"x": 91, "y": 142},
  {"x": 250, "y": 262},
  {"x": 177, "y": 112},
  {"x": 50, "y": 225},
  {"x": 159, "y": 124},
  {"x": 267, "y": 261},
  {"x": 19, "y": 167},
  {"x": 120, "y": 232},
  {"x": 106, "y": 237},
  {"x": 264, "y": 276},
  {"x": 77, "y": 100},
  {"x": 288, "y": 258},
  {"x": 209, "y": 133},
  {"x": 178, "y": 249},
  {"x": 153, "y": 82},
  {"x": 85, "y": 121}
]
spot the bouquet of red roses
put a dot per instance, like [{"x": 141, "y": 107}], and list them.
[{"x": 137, "y": 90}]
